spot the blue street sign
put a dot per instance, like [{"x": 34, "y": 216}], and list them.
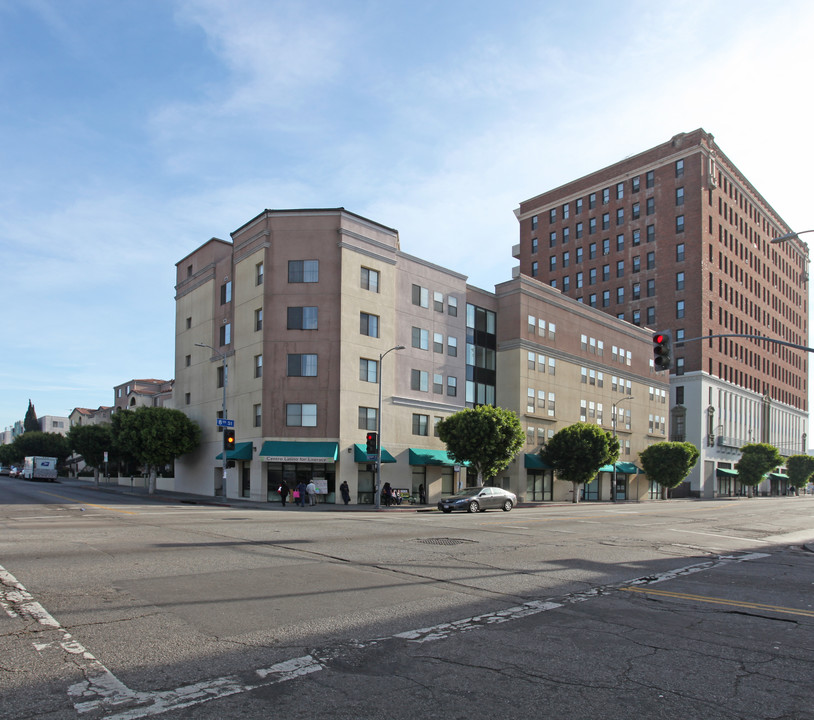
[{"x": 225, "y": 423}]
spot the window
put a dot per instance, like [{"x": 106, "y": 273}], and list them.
[
  {"x": 620, "y": 190},
  {"x": 566, "y": 259},
  {"x": 301, "y": 415},
  {"x": 592, "y": 300},
  {"x": 579, "y": 230},
  {"x": 651, "y": 233},
  {"x": 591, "y": 201},
  {"x": 651, "y": 260},
  {"x": 620, "y": 243},
  {"x": 421, "y": 296},
  {"x": 219, "y": 376},
  {"x": 605, "y": 272},
  {"x": 651, "y": 316},
  {"x": 605, "y": 221},
  {"x": 258, "y": 415},
  {"x": 535, "y": 268},
  {"x": 651, "y": 206},
  {"x": 452, "y": 386},
  {"x": 651, "y": 288},
  {"x": 680, "y": 196},
  {"x": 367, "y": 418},
  {"x": 421, "y": 424},
  {"x": 649, "y": 179},
  {"x": 302, "y": 318},
  {"x": 620, "y": 296},
  {"x": 637, "y": 291},
  {"x": 606, "y": 196},
  {"x": 258, "y": 319},
  {"x": 578, "y": 280},
  {"x": 637, "y": 263},
  {"x": 226, "y": 334},
  {"x": 258, "y": 366},
  {"x": 188, "y": 360},
  {"x": 591, "y": 226},
  {"x": 552, "y": 215},
  {"x": 680, "y": 281},
  {"x": 534, "y": 222},
  {"x": 606, "y": 246},
  {"x": 303, "y": 271},
  {"x": 189, "y": 323},
  {"x": 637, "y": 237},
  {"x": 302, "y": 365},
  {"x": 592, "y": 251},
  {"x": 419, "y": 380},
  {"x": 637, "y": 317},
  {"x": 552, "y": 263},
  {"x": 438, "y": 342},
  {"x": 438, "y": 383},
  {"x": 579, "y": 255},
  {"x": 438, "y": 301},
  {"x": 566, "y": 235},
  {"x": 679, "y": 309},
  {"x": 552, "y": 239},
  {"x": 370, "y": 279},
  {"x": 421, "y": 338},
  {"x": 369, "y": 324},
  {"x": 452, "y": 306},
  {"x": 566, "y": 283},
  {"x": 578, "y": 206},
  {"x": 679, "y": 168},
  {"x": 368, "y": 370},
  {"x": 620, "y": 268},
  {"x": 565, "y": 211},
  {"x": 679, "y": 223},
  {"x": 634, "y": 184},
  {"x": 534, "y": 245},
  {"x": 592, "y": 276},
  {"x": 680, "y": 252},
  {"x": 636, "y": 211},
  {"x": 620, "y": 216},
  {"x": 258, "y": 274},
  {"x": 226, "y": 293}
]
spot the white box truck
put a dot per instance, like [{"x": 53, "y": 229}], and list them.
[{"x": 40, "y": 468}]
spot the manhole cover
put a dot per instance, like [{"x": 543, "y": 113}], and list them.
[{"x": 444, "y": 541}]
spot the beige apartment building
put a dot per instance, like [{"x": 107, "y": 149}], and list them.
[{"x": 291, "y": 329}]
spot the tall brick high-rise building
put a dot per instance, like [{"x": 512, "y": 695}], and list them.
[{"x": 677, "y": 238}]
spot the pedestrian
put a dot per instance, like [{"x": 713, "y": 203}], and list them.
[
  {"x": 386, "y": 494},
  {"x": 283, "y": 490},
  {"x": 311, "y": 489},
  {"x": 301, "y": 493},
  {"x": 345, "y": 490},
  {"x": 422, "y": 495}
]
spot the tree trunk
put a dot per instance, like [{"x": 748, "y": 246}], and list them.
[
  {"x": 575, "y": 492},
  {"x": 664, "y": 492},
  {"x": 96, "y": 476}
]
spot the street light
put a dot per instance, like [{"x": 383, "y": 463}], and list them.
[
  {"x": 613, "y": 422},
  {"x": 378, "y": 489},
  {"x": 789, "y": 236},
  {"x": 223, "y": 407}
]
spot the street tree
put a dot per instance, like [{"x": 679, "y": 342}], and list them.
[
  {"x": 578, "y": 451},
  {"x": 30, "y": 422},
  {"x": 155, "y": 436},
  {"x": 800, "y": 468},
  {"x": 41, "y": 443},
  {"x": 486, "y": 437},
  {"x": 91, "y": 442},
  {"x": 668, "y": 463},
  {"x": 756, "y": 460}
]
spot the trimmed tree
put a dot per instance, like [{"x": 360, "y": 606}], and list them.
[
  {"x": 668, "y": 463},
  {"x": 578, "y": 451},
  {"x": 800, "y": 469},
  {"x": 91, "y": 442},
  {"x": 486, "y": 437},
  {"x": 756, "y": 460},
  {"x": 42, "y": 443},
  {"x": 155, "y": 436},
  {"x": 30, "y": 422}
]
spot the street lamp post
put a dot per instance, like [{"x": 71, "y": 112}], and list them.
[
  {"x": 378, "y": 489},
  {"x": 613, "y": 419},
  {"x": 789, "y": 236},
  {"x": 223, "y": 406}
]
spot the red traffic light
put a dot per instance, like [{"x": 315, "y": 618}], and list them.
[
  {"x": 662, "y": 350},
  {"x": 658, "y": 338},
  {"x": 372, "y": 441}
]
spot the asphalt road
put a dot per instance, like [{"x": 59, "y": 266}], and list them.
[{"x": 124, "y": 607}]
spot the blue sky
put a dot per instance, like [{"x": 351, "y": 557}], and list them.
[{"x": 132, "y": 131}]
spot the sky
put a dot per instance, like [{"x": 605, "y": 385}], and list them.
[{"x": 133, "y": 131}]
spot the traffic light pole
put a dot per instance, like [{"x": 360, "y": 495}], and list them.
[
  {"x": 377, "y": 491},
  {"x": 753, "y": 337},
  {"x": 223, "y": 406}
]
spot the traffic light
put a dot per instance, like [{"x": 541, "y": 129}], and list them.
[
  {"x": 228, "y": 439},
  {"x": 372, "y": 443},
  {"x": 662, "y": 350}
]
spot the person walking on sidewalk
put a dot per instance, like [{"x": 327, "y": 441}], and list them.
[
  {"x": 283, "y": 490},
  {"x": 345, "y": 490},
  {"x": 311, "y": 489},
  {"x": 301, "y": 491}
]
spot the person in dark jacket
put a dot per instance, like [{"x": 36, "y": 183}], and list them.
[
  {"x": 283, "y": 490},
  {"x": 345, "y": 490}
]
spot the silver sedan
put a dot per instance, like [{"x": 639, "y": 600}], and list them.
[{"x": 479, "y": 499}]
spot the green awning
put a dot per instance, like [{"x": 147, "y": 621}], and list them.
[
  {"x": 242, "y": 451},
  {"x": 725, "y": 472},
  {"x": 532, "y": 461},
  {"x": 360, "y": 454},
  {"x": 778, "y": 476},
  {"x": 420, "y": 456},
  {"x": 626, "y": 468},
  {"x": 299, "y": 451}
]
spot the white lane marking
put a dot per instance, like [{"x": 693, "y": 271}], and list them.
[
  {"x": 103, "y": 691},
  {"x": 720, "y": 536}
]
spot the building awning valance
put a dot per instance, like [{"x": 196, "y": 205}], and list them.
[
  {"x": 242, "y": 451},
  {"x": 778, "y": 476},
  {"x": 293, "y": 451},
  {"x": 420, "y": 456},
  {"x": 532, "y": 461},
  {"x": 726, "y": 472},
  {"x": 626, "y": 468},
  {"x": 360, "y": 454}
]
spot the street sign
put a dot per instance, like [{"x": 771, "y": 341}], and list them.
[
  {"x": 371, "y": 457},
  {"x": 225, "y": 423}
]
